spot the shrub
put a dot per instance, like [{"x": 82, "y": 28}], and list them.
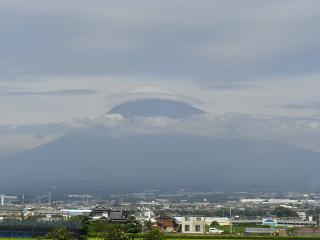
[
  {"x": 60, "y": 234},
  {"x": 153, "y": 235}
]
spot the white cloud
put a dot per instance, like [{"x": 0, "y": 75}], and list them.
[{"x": 304, "y": 132}]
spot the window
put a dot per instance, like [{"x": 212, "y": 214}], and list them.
[
  {"x": 198, "y": 218},
  {"x": 187, "y": 228},
  {"x": 197, "y": 228},
  {"x": 187, "y": 218}
]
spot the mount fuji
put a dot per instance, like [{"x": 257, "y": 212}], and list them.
[{"x": 94, "y": 161}]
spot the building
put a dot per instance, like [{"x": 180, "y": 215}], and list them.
[
  {"x": 223, "y": 221},
  {"x": 295, "y": 223},
  {"x": 102, "y": 213},
  {"x": 67, "y": 213},
  {"x": 269, "y": 201},
  {"x": 10, "y": 212},
  {"x": 266, "y": 231},
  {"x": 193, "y": 224},
  {"x": 166, "y": 224},
  {"x": 282, "y": 222},
  {"x": 302, "y": 216},
  {"x": 99, "y": 212}
]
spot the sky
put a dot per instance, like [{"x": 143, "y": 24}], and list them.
[{"x": 253, "y": 66}]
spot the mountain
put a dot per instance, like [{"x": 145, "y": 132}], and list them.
[
  {"x": 153, "y": 107},
  {"x": 94, "y": 160},
  {"x": 99, "y": 163}
]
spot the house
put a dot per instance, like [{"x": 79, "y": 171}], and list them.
[
  {"x": 166, "y": 224},
  {"x": 193, "y": 224},
  {"x": 99, "y": 212},
  {"x": 103, "y": 213}
]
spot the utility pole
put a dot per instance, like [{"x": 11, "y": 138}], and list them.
[
  {"x": 49, "y": 199},
  {"x": 230, "y": 216},
  {"x": 2, "y": 199},
  {"x": 87, "y": 200},
  {"x": 121, "y": 203}
]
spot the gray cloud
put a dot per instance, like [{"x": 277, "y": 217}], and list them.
[
  {"x": 202, "y": 41},
  {"x": 229, "y": 86},
  {"x": 213, "y": 45},
  {"x": 65, "y": 92},
  {"x": 17, "y": 138},
  {"x": 305, "y": 105}
]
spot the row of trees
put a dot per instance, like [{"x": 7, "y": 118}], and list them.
[
  {"x": 107, "y": 231},
  {"x": 114, "y": 232}
]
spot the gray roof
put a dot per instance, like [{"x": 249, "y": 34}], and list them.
[
  {"x": 100, "y": 208},
  {"x": 261, "y": 230},
  {"x": 113, "y": 215}
]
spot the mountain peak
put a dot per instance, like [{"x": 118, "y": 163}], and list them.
[{"x": 155, "y": 107}]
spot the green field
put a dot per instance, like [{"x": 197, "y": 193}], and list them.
[
  {"x": 199, "y": 237},
  {"x": 168, "y": 239},
  {"x": 100, "y": 239}
]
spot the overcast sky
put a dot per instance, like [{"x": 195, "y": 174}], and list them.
[{"x": 60, "y": 61}]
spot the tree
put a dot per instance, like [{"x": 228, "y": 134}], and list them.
[
  {"x": 60, "y": 234},
  {"x": 147, "y": 225},
  {"x": 98, "y": 226},
  {"x": 133, "y": 226},
  {"x": 153, "y": 235},
  {"x": 284, "y": 212},
  {"x": 116, "y": 233},
  {"x": 215, "y": 224},
  {"x": 84, "y": 228}
]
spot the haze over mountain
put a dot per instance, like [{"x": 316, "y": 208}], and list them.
[{"x": 93, "y": 160}]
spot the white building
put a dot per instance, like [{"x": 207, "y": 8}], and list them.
[
  {"x": 269, "y": 201},
  {"x": 193, "y": 224},
  {"x": 302, "y": 216},
  {"x": 223, "y": 221}
]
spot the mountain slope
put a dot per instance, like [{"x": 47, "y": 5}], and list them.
[{"x": 90, "y": 162}]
